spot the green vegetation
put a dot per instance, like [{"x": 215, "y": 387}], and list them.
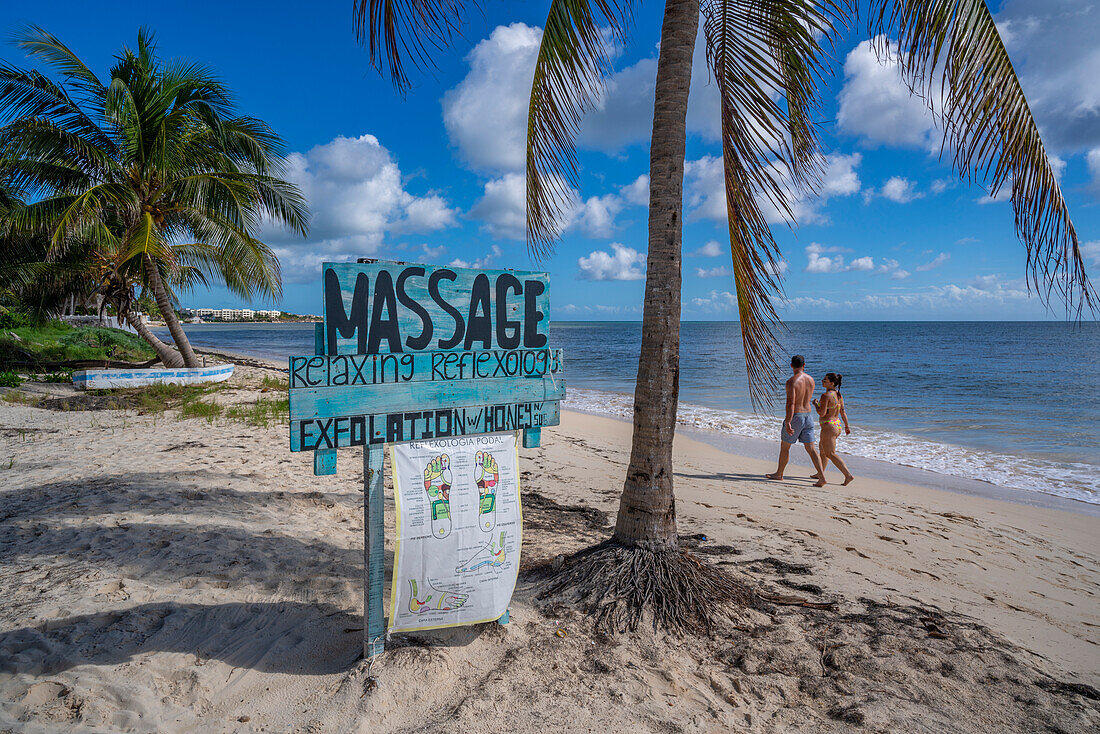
[
  {"x": 63, "y": 377},
  {"x": 145, "y": 177},
  {"x": 263, "y": 413},
  {"x": 159, "y": 398},
  {"x": 189, "y": 401},
  {"x": 201, "y": 409},
  {"x": 274, "y": 383},
  {"x": 16, "y": 396},
  {"x": 59, "y": 342}
]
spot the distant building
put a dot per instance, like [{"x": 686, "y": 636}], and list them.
[{"x": 233, "y": 314}]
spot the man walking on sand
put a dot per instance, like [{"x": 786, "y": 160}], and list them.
[{"x": 798, "y": 425}]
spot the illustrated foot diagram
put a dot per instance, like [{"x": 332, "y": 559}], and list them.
[
  {"x": 486, "y": 473},
  {"x": 437, "y": 483},
  {"x": 434, "y": 599},
  {"x": 491, "y": 554}
]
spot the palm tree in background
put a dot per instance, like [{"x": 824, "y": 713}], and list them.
[
  {"x": 152, "y": 168},
  {"x": 30, "y": 282},
  {"x": 768, "y": 59}
]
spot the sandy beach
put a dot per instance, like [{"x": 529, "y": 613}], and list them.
[{"x": 168, "y": 574}]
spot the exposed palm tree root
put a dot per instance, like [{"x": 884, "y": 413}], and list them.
[{"x": 620, "y": 586}]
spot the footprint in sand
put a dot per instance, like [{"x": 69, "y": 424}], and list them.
[{"x": 926, "y": 573}]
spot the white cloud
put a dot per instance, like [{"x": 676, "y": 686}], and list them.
[
  {"x": 723, "y": 271},
  {"x": 777, "y": 269},
  {"x": 710, "y": 249},
  {"x": 943, "y": 184},
  {"x": 622, "y": 263},
  {"x": 935, "y": 263},
  {"x": 1057, "y": 166},
  {"x": 726, "y": 302},
  {"x": 987, "y": 289},
  {"x": 893, "y": 268},
  {"x": 503, "y": 208},
  {"x": 623, "y": 115},
  {"x": 822, "y": 259},
  {"x": 810, "y": 302},
  {"x": 1093, "y": 161},
  {"x": 1091, "y": 252},
  {"x": 706, "y": 192},
  {"x": 876, "y": 104},
  {"x": 573, "y": 309},
  {"x": 486, "y": 114},
  {"x": 596, "y": 218},
  {"x": 1054, "y": 50},
  {"x": 482, "y": 262},
  {"x": 432, "y": 252},
  {"x": 1003, "y": 194},
  {"x": 966, "y": 240},
  {"x": 716, "y": 301},
  {"x": 841, "y": 178},
  {"x": 897, "y": 189},
  {"x": 817, "y": 262},
  {"x": 356, "y": 194},
  {"x": 637, "y": 193},
  {"x": 987, "y": 296}
]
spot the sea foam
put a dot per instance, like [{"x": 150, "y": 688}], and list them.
[{"x": 1063, "y": 479}]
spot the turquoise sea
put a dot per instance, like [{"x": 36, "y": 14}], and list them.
[{"x": 1016, "y": 404}]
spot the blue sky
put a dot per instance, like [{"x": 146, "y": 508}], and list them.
[{"x": 437, "y": 177}]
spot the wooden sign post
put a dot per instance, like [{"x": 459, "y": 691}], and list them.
[{"x": 414, "y": 352}]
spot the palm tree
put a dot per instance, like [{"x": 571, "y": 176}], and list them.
[
  {"x": 153, "y": 167},
  {"x": 768, "y": 58}
]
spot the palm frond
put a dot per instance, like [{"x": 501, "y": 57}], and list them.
[
  {"x": 950, "y": 52},
  {"x": 27, "y": 94},
  {"x": 397, "y": 32},
  {"x": 38, "y": 139},
  {"x": 43, "y": 45},
  {"x": 145, "y": 241},
  {"x": 572, "y": 61},
  {"x": 124, "y": 171},
  {"x": 767, "y": 60}
]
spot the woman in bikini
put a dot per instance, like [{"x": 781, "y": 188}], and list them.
[{"x": 830, "y": 412}]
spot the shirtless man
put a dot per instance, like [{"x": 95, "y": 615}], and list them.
[{"x": 798, "y": 424}]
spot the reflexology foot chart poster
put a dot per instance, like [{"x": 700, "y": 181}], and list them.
[{"x": 459, "y": 530}]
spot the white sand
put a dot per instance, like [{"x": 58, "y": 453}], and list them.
[{"x": 159, "y": 574}]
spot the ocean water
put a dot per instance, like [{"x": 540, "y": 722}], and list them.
[{"x": 1016, "y": 404}]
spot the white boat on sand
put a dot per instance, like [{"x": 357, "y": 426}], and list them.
[{"x": 100, "y": 379}]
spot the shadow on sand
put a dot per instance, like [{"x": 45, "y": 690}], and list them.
[
  {"x": 204, "y": 541},
  {"x": 275, "y": 637}
]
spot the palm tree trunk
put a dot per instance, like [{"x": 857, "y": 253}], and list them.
[
  {"x": 168, "y": 356},
  {"x": 160, "y": 294},
  {"x": 647, "y": 510}
]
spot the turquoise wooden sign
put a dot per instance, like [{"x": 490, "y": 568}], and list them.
[{"x": 412, "y": 352}]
